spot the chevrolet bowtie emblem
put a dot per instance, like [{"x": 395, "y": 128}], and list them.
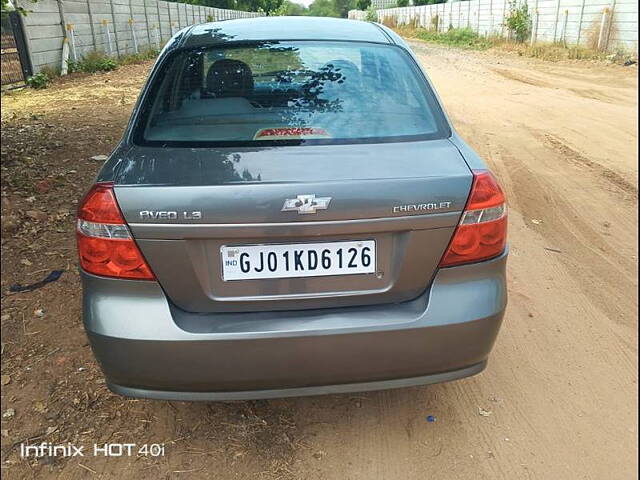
[{"x": 306, "y": 204}]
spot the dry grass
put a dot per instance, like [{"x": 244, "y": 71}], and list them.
[
  {"x": 553, "y": 51},
  {"x": 469, "y": 39},
  {"x": 68, "y": 94}
]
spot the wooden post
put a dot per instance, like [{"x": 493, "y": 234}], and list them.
[
  {"x": 133, "y": 36},
  {"x": 444, "y": 14},
  {"x": 603, "y": 23},
  {"x": 64, "y": 67},
  {"x": 564, "y": 27},
  {"x": 555, "y": 25},
  {"x": 115, "y": 29},
  {"x": 63, "y": 22},
  {"x": 178, "y": 10},
  {"x": 469, "y": 14},
  {"x": 146, "y": 22},
  {"x": 73, "y": 42},
  {"x": 91, "y": 20},
  {"x": 159, "y": 22},
  {"x": 107, "y": 33},
  {"x": 490, "y": 17},
  {"x": 170, "y": 21},
  {"x": 478, "y": 14},
  {"x": 534, "y": 34},
  {"x": 504, "y": 16},
  {"x": 613, "y": 7},
  {"x": 580, "y": 22}
]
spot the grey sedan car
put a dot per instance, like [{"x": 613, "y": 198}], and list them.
[{"x": 290, "y": 212}]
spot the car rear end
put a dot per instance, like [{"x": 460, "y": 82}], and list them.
[{"x": 289, "y": 218}]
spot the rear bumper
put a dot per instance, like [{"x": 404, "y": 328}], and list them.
[
  {"x": 149, "y": 348},
  {"x": 299, "y": 391}
]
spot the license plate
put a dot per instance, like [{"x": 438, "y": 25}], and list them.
[{"x": 246, "y": 262}]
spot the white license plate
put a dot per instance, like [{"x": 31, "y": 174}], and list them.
[{"x": 246, "y": 262}]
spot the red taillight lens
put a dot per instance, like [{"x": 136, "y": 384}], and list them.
[
  {"x": 105, "y": 245},
  {"x": 482, "y": 232},
  {"x": 99, "y": 205}
]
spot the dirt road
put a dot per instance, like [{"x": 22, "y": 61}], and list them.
[{"x": 559, "y": 397}]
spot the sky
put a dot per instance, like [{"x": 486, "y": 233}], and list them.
[{"x": 306, "y": 3}]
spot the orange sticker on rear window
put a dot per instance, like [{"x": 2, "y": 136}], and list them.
[{"x": 290, "y": 133}]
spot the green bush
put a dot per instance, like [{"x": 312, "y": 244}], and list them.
[
  {"x": 92, "y": 62},
  {"x": 402, "y": 3},
  {"x": 141, "y": 56},
  {"x": 39, "y": 80},
  {"x": 371, "y": 15},
  {"x": 519, "y": 20},
  {"x": 457, "y": 37},
  {"x": 462, "y": 36}
]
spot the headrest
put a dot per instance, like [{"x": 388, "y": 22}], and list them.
[{"x": 229, "y": 78}]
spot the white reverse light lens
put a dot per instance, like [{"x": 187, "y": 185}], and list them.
[
  {"x": 103, "y": 230},
  {"x": 471, "y": 217}
]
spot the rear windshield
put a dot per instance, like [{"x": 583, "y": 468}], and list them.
[{"x": 289, "y": 93}]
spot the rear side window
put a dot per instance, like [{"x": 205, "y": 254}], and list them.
[{"x": 288, "y": 93}]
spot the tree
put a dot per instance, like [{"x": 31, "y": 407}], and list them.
[
  {"x": 331, "y": 8},
  {"x": 343, "y": 7},
  {"x": 291, "y": 9},
  {"x": 269, "y": 7},
  {"x": 402, "y": 3},
  {"x": 323, "y": 8},
  {"x": 230, "y": 4},
  {"x": 363, "y": 4},
  {"x": 371, "y": 14},
  {"x": 9, "y": 6},
  {"x": 428, "y": 2}
]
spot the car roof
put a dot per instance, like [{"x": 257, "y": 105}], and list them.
[{"x": 283, "y": 28}]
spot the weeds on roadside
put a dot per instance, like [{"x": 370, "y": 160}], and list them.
[
  {"x": 143, "y": 55},
  {"x": 39, "y": 80},
  {"x": 554, "y": 52},
  {"x": 389, "y": 21},
  {"x": 455, "y": 37},
  {"x": 92, "y": 62},
  {"x": 51, "y": 71},
  {"x": 469, "y": 39}
]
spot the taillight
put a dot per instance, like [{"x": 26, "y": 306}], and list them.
[
  {"x": 105, "y": 244},
  {"x": 482, "y": 231}
]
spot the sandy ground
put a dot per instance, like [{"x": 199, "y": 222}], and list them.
[{"x": 559, "y": 397}]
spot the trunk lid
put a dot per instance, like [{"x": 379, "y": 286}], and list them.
[{"x": 183, "y": 205}]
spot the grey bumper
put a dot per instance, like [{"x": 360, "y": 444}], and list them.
[{"x": 149, "y": 348}]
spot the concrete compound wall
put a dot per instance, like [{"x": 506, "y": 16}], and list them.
[
  {"x": 118, "y": 27},
  {"x": 568, "y": 21}
]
